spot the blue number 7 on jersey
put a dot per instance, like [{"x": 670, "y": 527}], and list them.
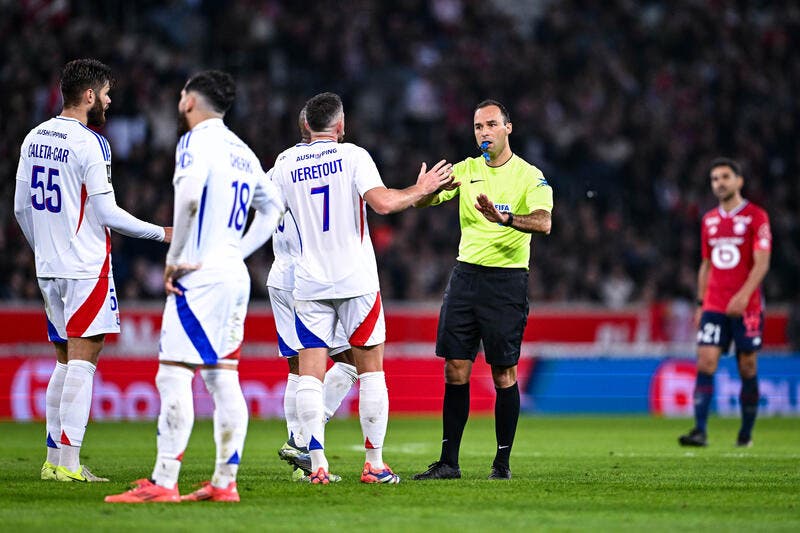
[{"x": 325, "y": 203}]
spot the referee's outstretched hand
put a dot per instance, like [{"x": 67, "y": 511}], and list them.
[
  {"x": 487, "y": 209},
  {"x": 438, "y": 177}
]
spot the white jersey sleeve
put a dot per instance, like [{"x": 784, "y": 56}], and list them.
[
  {"x": 266, "y": 196},
  {"x": 286, "y": 249},
  {"x": 366, "y": 175},
  {"x": 22, "y": 210},
  {"x": 189, "y": 182},
  {"x": 97, "y": 179},
  {"x": 269, "y": 206},
  {"x": 114, "y": 217}
]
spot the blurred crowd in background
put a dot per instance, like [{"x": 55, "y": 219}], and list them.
[{"x": 621, "y": 103}]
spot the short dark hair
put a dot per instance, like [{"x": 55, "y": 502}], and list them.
[
  {"x": 216, "y": 86},
  {"x": 725, "y": 162},
  {"x": 322, "y": 109},
  {"x": 501, "y": 107},
  {"x": 81, "y": 74},
  {"x": 305, "y": 135}
]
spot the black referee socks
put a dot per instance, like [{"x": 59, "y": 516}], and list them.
[
  {"x": 506, "y": 415},
  {"x": 455, "y": 412}
]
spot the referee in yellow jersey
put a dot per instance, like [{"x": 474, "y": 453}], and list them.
[{"x": 502, "y": 201}]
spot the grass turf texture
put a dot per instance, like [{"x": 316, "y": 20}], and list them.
[{"x": 599, "y": 473}]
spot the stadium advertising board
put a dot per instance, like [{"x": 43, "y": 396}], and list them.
[
  {"x": 659, "y": 386},
  {"x": 556, "y": 373},
  {"x": 124, "y": 389}
]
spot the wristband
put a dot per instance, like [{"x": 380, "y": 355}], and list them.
[{"x": 509, "y": 221}]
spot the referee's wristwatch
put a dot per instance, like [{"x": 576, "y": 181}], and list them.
[{"x": 510, "y": 220}]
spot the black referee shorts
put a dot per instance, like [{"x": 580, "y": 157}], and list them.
[{"x": 483, "y": 304}]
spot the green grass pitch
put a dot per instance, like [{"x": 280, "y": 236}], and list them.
[{"x": 570, "y": 473}]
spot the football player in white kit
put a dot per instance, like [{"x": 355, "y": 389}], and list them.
[
  {"x": 341, "y": 376},
  {"x": 217, "y": 179},
  {"x": 64, "y": 203},
  {"x": 326, "y": 184}
]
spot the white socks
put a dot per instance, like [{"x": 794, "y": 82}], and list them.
[
  {"x": 374, "y": 414},
  {"x": 338, "y": 381},
  {"x": 76, "y": 400},
  {"x": 311, "y": 412},
  {"x": 230, "y": 422},
  {"x": 290, "y": 410},
  {"x": 55, "y": 388},
  {"x": 175, "y": 421},
  {"x": 373, "y": 411}
]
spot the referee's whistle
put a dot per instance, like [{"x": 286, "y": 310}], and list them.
[{"x": 484, "y": 148}]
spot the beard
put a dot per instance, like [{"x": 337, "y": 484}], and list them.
[
  {"x": 724, "y": 195},
  {"x": 183, "y": 124},
  {"x": 96, "y": 116}
]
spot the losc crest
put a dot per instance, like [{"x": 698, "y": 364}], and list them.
[{"x": 672, "y": 388}]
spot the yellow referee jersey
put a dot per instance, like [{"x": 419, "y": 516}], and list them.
[{"x": 517, "y": 187}]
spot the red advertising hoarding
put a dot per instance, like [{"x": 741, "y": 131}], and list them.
[{"x": 125, "y": 389}]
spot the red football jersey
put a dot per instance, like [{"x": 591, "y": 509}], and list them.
[{"x": 728, "y": 241}]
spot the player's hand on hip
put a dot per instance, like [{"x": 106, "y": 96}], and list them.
[
  {"x": 438, "y": 177},
  {"x": 167, "y": 234},
  {"x": 172, "y": 273},
  {"x": 487, "y": 209},
  {"x": 737, "y": 305}
]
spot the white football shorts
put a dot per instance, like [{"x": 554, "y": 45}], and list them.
[
  {"x": 282, "y": 303},
  {"x": 361, "y": 317},
  {"x": 79, "y": 307},
  {"x": 205, "y": 325}
]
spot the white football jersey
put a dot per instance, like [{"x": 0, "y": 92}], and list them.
[
  {"x": 323, "y": 184},
  {"x": 286, "y": 250},
  {"x": 232, "y": 180},
  {"x": 64, "y": 162}
]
